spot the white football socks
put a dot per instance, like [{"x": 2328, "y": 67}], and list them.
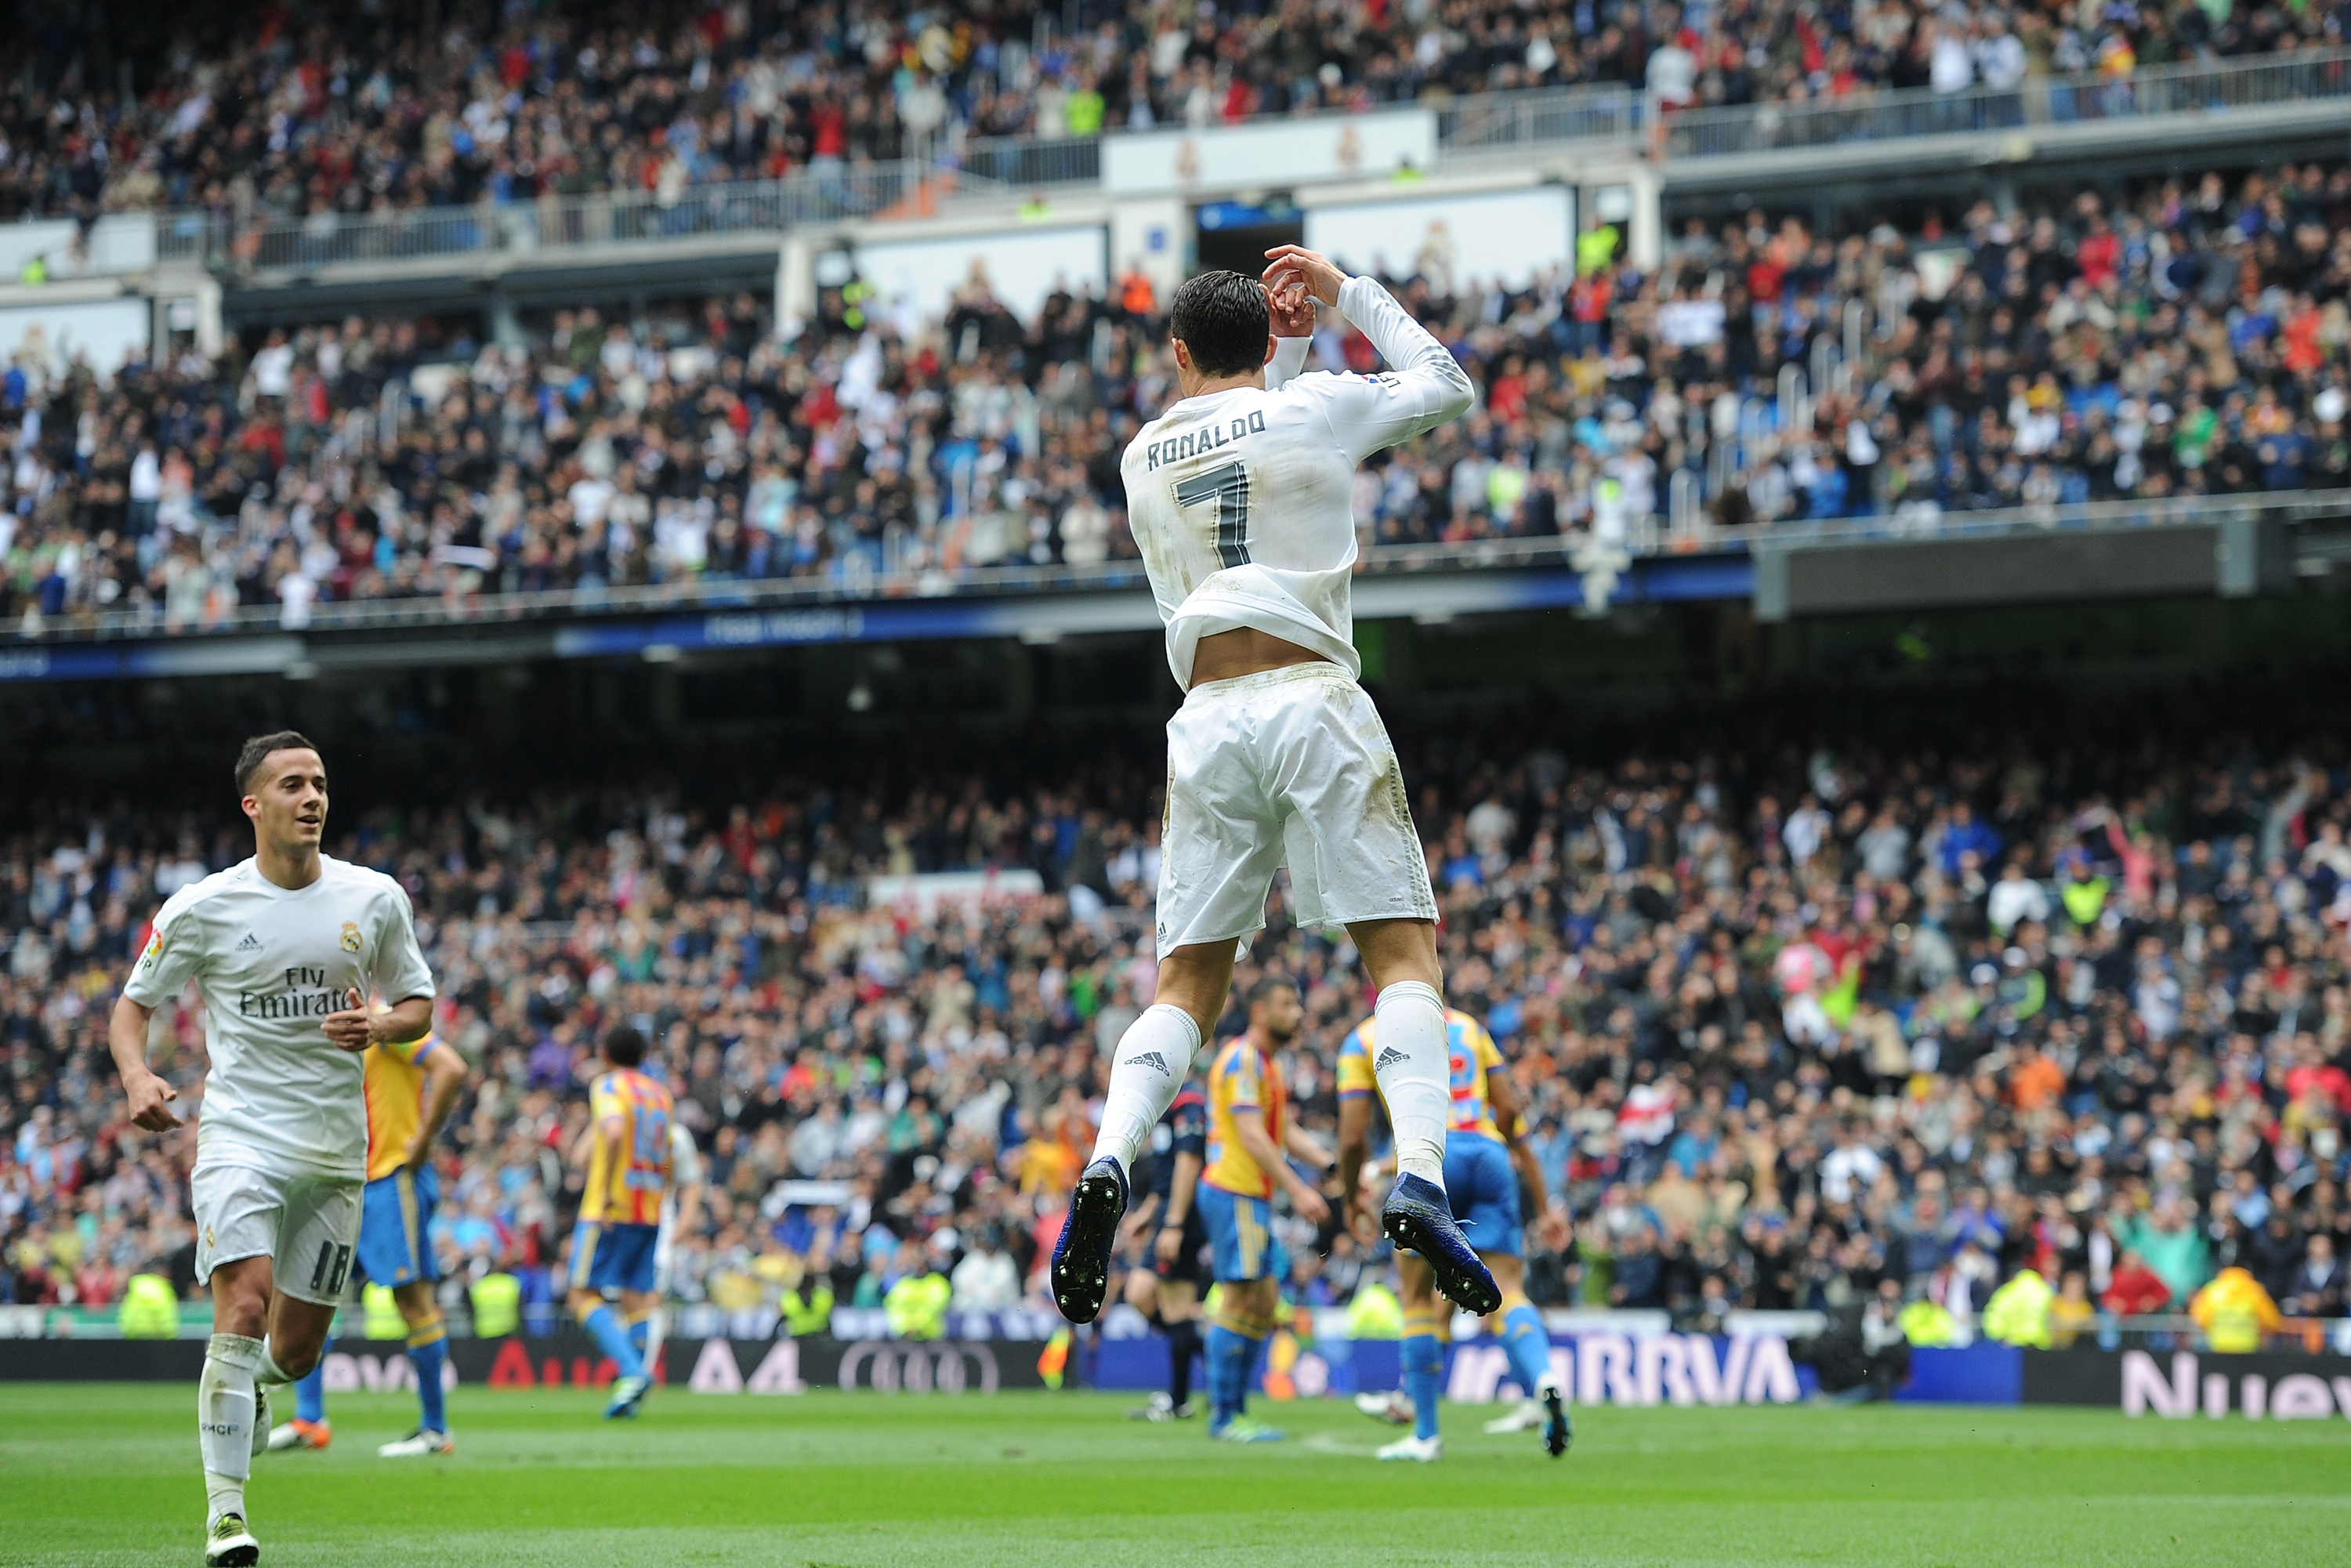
[
  {"x": 225, "y": 1402},
  {"x": 1154, "y": 1058},
  {"x": 1415, "y": 1075}
]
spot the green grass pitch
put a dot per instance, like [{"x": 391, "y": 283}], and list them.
[{"x": 106, "y": 1474}]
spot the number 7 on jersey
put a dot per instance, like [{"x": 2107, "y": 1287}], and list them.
[{"x": 1228, "y": 485}]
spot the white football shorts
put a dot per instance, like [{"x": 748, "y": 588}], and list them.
[
  {"x": 306, "y": 1225},
  {"x": 1290, "y": 767}
]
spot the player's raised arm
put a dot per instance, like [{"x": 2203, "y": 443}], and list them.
[{"x": 1424, "y": 385}]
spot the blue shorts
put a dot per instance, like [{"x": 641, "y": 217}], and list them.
[
  {"x": 1484, "y": 1191},
  {"x": 396, "y": 1212},
  {"x": 1240, "y": 1234},
  {"x": 612, "y": 1257}
]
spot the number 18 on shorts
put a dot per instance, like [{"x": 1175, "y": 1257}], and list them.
[{"x": 306, "y": 1225}]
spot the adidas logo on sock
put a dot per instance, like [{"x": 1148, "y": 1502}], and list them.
[
  {"x": 250, "y": 943},
  {"x": 1150, "y": 1059},
  {"x": 1389, "y": 1058}
]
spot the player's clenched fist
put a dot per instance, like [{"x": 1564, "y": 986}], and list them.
[
  {"x": 349, "y": 1028},
  {"x": 151, "y": 1100}
]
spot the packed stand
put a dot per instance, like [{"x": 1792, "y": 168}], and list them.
[
  {"x": 2189, "y": 341},
  {"x": 334, "y": 465},
  {"x": 1788, "y": 1035},
  {"x": 318, "y": 112}
]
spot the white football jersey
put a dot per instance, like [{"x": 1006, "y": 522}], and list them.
[
  {"x": 271, "y": 963},
  {"x": 1242, "y": 502}
]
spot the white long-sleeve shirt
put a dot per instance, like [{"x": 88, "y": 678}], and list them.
[{"x": 1242, "y": 501}]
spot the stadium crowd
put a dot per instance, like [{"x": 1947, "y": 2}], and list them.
[
  {"x": 1787, "y": 1032},
  {"x": 308, "y": 110},
  {"x": 2191, "y": 339}
]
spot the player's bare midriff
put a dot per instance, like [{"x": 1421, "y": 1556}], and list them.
[{"x": 1246, "y": 651}]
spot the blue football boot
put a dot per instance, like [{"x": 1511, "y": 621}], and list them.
[
  {"x": 1418, "y": 1218},
  {"x": 1082, "y": 1257}
]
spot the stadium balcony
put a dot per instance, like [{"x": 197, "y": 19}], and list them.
[{"x": 2228, "y": 547}]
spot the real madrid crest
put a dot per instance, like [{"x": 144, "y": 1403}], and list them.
[{"x": 350, "y": 936}]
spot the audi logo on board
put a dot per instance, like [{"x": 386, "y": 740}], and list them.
[{"x": 901, "y": 1366}]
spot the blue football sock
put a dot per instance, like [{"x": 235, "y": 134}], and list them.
[
  {"x": 1229, "y": 1355},
  {"x": 1530, "y": 1346},
  {"x": 1423, "y": 1380},
  {"x": 1220, "y": 1339},
  {"x": 638, "y": 1332},
  {"x": 310, "y": 1395},
  {"x": 613, "y": 1335},
  {"x": 427, "y": 1359}
]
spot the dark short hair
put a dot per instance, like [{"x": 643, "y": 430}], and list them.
[
  {"x": 1266, "y": 985},
  {"x": 256, "y": 752},
  {"x": 1223, "y": 320},
  {"x": 623, "y": 1045}
]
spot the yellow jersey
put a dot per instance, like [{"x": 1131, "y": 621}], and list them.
[
  {"x": 628, "y": 1189},
  {"x": 393, "y": 1076},
  {"x": 1241, "y": 1080},
  {"x": 1472, "y": 1051}
]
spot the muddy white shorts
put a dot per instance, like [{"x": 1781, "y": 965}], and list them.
[
  {"x": 1293, "y": 767},
  {"x": 305, "y": 1225}
]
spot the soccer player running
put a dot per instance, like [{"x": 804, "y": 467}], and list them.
[
  {"x": 1167, "y": 1284},
  {"x": 285, "y": 949},
  {"x": 1251, "y": 1138},
  {"x": 1240, "y": 500},
  {"x": 1484, "y": 1174},
  {"x": 628, "y": 1152},
  {"x": 410, "y": 1088}
]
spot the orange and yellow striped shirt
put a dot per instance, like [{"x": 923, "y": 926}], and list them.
[{"x": 627, "y": 1188}]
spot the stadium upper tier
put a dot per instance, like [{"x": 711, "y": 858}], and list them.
[
  {"x": 319, "y": 117},
  {"x": 2186, "y": 343}
]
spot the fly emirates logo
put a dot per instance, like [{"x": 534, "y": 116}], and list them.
[{"x": 306, "y": 996}]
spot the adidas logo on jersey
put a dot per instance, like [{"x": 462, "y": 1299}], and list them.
[
  {"x": 250, "y": 943},
  {"x": 1150, "y": 1059},
  {"x": 1389, "y": 1058}
]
